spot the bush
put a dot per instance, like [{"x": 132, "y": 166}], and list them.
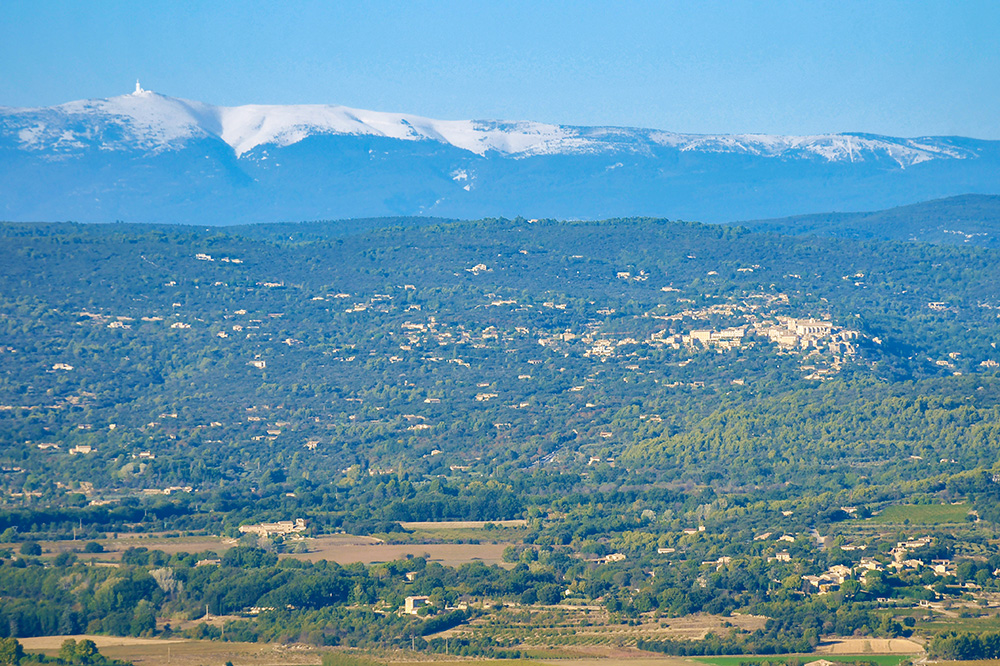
[
  {"x": 64, "y": 559},
  {"x": 550, "y": 594},
  {"x": 248, "y": 557}
]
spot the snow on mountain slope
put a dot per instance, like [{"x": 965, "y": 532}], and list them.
[
  {"x": 246, "y": 127},
  {"x": 155, "y": 122},
  {"x": 140, "y": 120},
  {"x": 831, "y": 147}
]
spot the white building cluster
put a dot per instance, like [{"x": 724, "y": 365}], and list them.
[{"x": 280, "y": 528}]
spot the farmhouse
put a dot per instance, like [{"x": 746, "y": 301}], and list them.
[{"x": 413, "y": 604}]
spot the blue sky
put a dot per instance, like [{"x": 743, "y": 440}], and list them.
[{"x": 901, "y": 68}]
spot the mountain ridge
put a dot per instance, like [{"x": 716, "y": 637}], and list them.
[
  {"x": 146, "y": 157},
  {"x": 160, "y": 121}
]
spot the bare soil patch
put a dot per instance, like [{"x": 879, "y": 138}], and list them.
[
  {"x": 55, "y": 642},
  {"x": 869, "y": 646},
  {"x": 115, "y": 547}
]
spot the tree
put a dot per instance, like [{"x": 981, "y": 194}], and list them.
[
  {"x": 31, "y": 548},
  {"x": 143, "y": 619},
  {"x": 67, "y": 651},
  {"x": 849, "y": 589},
  {"x": 11, "y": 652},
  {"x": 86, "y": 652}
]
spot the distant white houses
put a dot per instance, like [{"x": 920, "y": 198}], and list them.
[{"x": 167, "y": 491}]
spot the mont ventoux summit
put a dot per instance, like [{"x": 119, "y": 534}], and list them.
[{"x": 147, "y": 157}]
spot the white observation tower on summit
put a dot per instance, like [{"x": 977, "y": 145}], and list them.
[{"x": 138, "y": 89}]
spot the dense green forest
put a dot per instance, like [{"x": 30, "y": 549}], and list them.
[{"x": 678, "y": 394}]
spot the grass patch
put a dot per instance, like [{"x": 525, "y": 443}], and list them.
[
  {"x": 923, "y": 514},
  {"x": 344, "y": 659},
  {"x": 974, "y": 624}
]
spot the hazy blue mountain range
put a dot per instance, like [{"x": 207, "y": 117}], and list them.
[
  {"x": 971, "y": 219},
  {"x": 145, "y": 157}
]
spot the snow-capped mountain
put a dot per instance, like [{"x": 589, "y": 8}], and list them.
[{"x": 146, "y": 156}]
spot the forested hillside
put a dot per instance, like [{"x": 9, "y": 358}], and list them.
[
  {"x": 969, "y": 219},
  {"x": 502, "y": 344},
  {"x": 737, "y": 413}
]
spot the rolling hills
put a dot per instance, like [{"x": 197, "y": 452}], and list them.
[{"x": 969, "y": 219}]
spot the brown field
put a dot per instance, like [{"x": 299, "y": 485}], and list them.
[
  {"x": 460, "y": 524},
  {"x": 340, "y": 548},
  {"x": 334, "y": 549},
  {"x": 114, "y": 547},
  {"x": 154, "y": 652},
  {"x": 53, "y": 642},
  {"x": 869, "y": 646}
]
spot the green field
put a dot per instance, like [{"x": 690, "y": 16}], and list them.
[
  {"x": 923, "y": 514},
  {"x": 880, "y": 659}
]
